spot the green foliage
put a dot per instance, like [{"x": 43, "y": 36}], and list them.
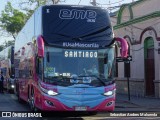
[
  {"x": 29, "y": 6},
  {"x": 6, "y": 44},
  {"x": 9, "y": 43},
  {"x": 12, "y": 20},
  {"x": 1, "y": 47}
]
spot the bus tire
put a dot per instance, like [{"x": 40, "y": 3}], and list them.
[{"x": 31, "y": 101}]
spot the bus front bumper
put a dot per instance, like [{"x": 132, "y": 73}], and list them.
[{"x": 52, "y": 104}]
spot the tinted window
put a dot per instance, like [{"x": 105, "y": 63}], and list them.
[{"x": 76, "y": 24}]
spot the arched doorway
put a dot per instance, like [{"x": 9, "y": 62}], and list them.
[{"x": 149, "y": 66}]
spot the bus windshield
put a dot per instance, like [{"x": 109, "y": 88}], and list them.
[
  {"x": 78, "y": 66},
  {"x": 72, "y": 24}
]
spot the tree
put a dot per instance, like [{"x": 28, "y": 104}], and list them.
[
  {"x": 9, "y": 43},
  {"x": 6, "y": 44},
  {"x": 12, "y": 20},
  {"x": 1, "y": 47},
  {"x": 29, "y": 6}
]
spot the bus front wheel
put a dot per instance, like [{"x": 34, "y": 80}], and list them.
[{"x": 32, "y": 101}]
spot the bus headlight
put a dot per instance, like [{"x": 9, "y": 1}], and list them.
[
  {"x": 12, "y": 86},
  {"x": 109, "y": 93},
  {"x": 51, "y": 92}
]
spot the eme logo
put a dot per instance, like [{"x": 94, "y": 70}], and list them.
[{"x": 90, "y": 15}]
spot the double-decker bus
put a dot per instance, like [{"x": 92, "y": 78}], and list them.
[
  {"x": 7, "y": 67},
  {"x": 64, "y": 59}
]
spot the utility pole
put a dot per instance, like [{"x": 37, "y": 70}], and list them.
[
  {"x": 93, "y": 2},
  {"x": 128, "y": 85}
]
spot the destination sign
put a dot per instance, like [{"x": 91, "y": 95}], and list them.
[{"x": 84, "y": 54}]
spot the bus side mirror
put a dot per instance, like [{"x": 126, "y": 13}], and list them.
[
  {"x": 124, "y": 46},
  {"x": 40, "y": 46}
]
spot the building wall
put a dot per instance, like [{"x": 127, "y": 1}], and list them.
[
  {"x": 143, "y": 22},
  {"x": 145, "y": 7},
  {"x": 122, "y": 87}
]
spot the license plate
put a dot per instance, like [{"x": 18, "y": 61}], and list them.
[{"x": 79, "y": 108}]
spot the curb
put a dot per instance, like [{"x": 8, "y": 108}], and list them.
[{"x": 124, "y": 107}]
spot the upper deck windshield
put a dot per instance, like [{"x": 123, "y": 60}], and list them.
[
  {"x": 65, "y": 25},
  {"x": 74, "y": 66}
]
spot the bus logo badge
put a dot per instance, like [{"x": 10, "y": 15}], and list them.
[
  {"x": 90, "y": 15},
  {"x": 48, "y": 11}
]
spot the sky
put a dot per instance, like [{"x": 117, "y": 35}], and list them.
[{"x": 101, "y": 3}]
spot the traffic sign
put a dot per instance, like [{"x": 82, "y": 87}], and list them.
[
  {"x": 129, "y": 58},
  {"x": 121, "y": 59}
]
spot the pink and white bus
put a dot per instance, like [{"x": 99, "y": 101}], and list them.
[{"x": 65, "y": 59}]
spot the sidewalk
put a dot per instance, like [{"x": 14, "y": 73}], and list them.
[{"x": 143, "y": 102}]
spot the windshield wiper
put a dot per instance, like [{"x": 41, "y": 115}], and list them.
[
  {"x": 80, "y": 38},
  {"x": 95, "y": 77},
  {"x": 73, "y": 38},
  {"x": 57, "y": 77},
  {"x": 96, "y": 32},
  {"x": 62, "y": 78},
  {"x": 58, "y": 80}
]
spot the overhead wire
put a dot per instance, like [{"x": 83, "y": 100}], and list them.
[
  {"x": 79, "y": 2},
  {"x": 111, "y": 3}
]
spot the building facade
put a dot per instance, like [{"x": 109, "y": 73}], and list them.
[{"x": 139, "y": 24}]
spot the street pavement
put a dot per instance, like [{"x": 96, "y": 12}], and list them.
[
  {"x": 9, "y": 102},
  {"x": 137, "y": 103}
]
